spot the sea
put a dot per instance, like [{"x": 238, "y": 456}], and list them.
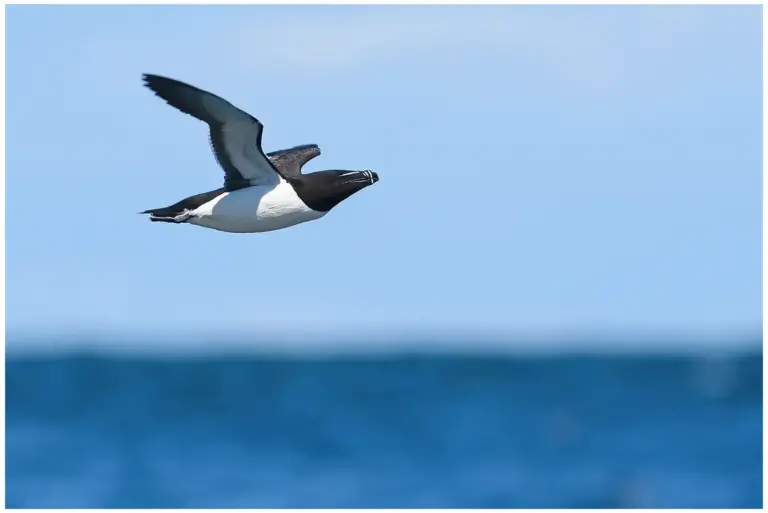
[{"x": 91, "y": 430}]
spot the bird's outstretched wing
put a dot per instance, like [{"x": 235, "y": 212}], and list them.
[
  {"x": 235, "y": 135},
  {"x": 290, "y": 161}
]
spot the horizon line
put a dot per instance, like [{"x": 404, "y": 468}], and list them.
[{"x": 382, "y": 342}]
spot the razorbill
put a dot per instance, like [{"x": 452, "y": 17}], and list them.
[{"x": 261, "y": 192}]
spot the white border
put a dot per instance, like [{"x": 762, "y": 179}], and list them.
[
  {"x": 62, "y": 2},
  {"x": 383, "y": 2}
]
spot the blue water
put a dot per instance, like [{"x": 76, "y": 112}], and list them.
[{"x": 420, "y": 431}]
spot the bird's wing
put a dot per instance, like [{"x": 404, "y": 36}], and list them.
[
  {"x": 290, "y": 161},
  {"x": 235, "y": 135}
]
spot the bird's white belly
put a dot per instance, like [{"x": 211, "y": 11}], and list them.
[{"x": 254, "y": 209}]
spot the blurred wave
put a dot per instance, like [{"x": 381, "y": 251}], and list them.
[{"x": 384, "y": 431}]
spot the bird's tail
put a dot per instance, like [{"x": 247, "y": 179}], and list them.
[{"x": 170, "y": 214}]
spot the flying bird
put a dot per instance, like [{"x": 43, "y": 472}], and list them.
[{"x": 261, "y": 192}]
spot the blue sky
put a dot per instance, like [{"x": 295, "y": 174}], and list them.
[{"x": 543, "y": 168}]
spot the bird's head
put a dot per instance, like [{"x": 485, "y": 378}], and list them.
[{"x": 323, "y": 190}]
